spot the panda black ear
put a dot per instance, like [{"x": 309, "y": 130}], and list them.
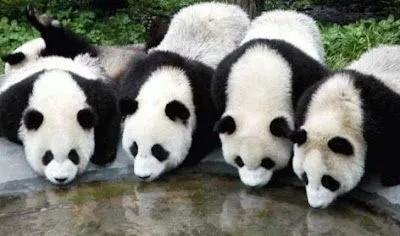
[
  {"x": 299, "y": 136},
  {"x": 225, "y": 125},
  {"x": 128, "y": 106},
  {"x": 280, "y": 127},
  {"x": 86, "y": 118},
  {"x": 33, "y": 119},
  {"x": 176, "y": 109},
  {"x": 13, "y": 58}
]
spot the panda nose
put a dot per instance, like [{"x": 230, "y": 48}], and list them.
[
  {"x": 144, "y": 177},
  {"x": 60, "y": 180}
]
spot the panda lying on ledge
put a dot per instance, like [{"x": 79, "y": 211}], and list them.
[{"x": 64, "y": 111}]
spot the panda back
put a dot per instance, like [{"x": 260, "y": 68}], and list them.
[
  {"x": 383, "y": 62},
  {"x": 293, "y": 27}
]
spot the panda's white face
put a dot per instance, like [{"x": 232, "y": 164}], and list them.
[
  {"x": 258, "y": 116},
  {"x": 330, "y": 149},
  {"x": 57, "y": 128},
  {"x": 158, "y": 131}
]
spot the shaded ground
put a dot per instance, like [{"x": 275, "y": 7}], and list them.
[{"x": 182, "y": 204}]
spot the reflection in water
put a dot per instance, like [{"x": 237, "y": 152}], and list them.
[{"x": 198, "y": 204}]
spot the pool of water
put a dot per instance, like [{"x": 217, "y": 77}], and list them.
[{"x": 198, "y": 204}]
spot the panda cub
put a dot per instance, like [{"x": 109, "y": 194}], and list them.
[
  {"x": 347, "y": 125},
  {"x": 165, "y": 98},
  {"x": 58, "y": 40},
  {"x": 256, "y": 86},
  {"x": 206, "y": 32},
  {"x": 64, "y": 111}
]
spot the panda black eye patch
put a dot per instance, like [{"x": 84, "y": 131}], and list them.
[
  {"x": 267, "y": 163},
  {"x": 13, "y": 58},
  {"x": 73, "y": 156},
  {"x": 176, "y": 109},
  {"x": 330, "y": 183},
  {"x": 226, "y": 125},
  {"x": 134, "y": 149},
  {"x": 304, "y": 178},
  {"x": 86, "y": 118},
  {"x": 47, "y": 158},
  {"x": 159, "y": 152},
  {"x": 239, "y": 162},
  {"x": 33, "y": 119},
  {"x": 128, "y": 106},
  {"x": 341, "y": 146}
]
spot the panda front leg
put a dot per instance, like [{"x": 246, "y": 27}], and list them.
[
  {"x": 390, "y": 175},
  {"x": 59, "y": 40},
  {"x": 106, "y": 141}
]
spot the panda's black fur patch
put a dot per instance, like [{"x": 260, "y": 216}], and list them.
[
  {"x": 176, "y": 109},
  {"x": 47, "y": 158},
  {"x": 59, "y": 40},
  {"x": 280, "y": 127},
  {"x": 13, "y": 58},
  {"x": 305, "y": 70},
  {"x": 86, "y": 118},
  {"x": 226, "y": 125},
  {"x": 128, "y": 106},
  {"x": 341, "y": 145},
  {"x": 134, "y": 149},
  {"x": 330, "y": 183},
  {"x": 33, "y": 119},
  {"x": 299, "y": 137},
  {"x": 199, "y": 76},
  {"x": 74, "y": 157},
  {"x": 156, "y": 28},
  {"x": 159, "y": 152}
]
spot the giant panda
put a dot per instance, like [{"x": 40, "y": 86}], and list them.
[
  {"x": 256, "y": 86},
  {"x": 64, "y": 111},
  {"x": 347, "y": 126},
  {"x": 58, "y": 40},
  {"x": 165, "y": 98},
  {"x": 205, "y": 32}
]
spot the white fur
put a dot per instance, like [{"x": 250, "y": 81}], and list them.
[
  {"x": 334, "y": 110},
  {"x": 83, "y": 65},
  {"x": 294, "y": 27},
  {"x": 383, "y": 62},
  {"x": 206, "y": 32},
  {"x": 149, "y": 125},
  {"x": 31, "y": 49},
  {"x": 258, "y": 91},
  {"x": 59, "y": 98}
]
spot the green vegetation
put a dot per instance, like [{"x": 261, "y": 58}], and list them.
[{"x": 125, "y": 26}]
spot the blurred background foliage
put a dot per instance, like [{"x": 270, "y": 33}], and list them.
[{"x": 123, "y": 22}]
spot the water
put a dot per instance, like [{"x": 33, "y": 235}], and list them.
[{"x": 195, "y": 204}]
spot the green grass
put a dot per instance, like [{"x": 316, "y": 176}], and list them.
[{"x": 342, "y": 43}]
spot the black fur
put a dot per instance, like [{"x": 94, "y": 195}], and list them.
[
  {"x": 86, "y": 118},
  {"x": 299, "y": 137},
  {"x": 239, "y": 162},
  {"x": 225, "y": 125},
  {"x": 103, "y": 99},
  {"x": 330, "y": 183},
  {"x": 381, "y": 123},
  {"x": 33, "y": 119},
  {"x": 128, "y": 106},
  {"x": 156, "y": 31},
  {"x": 159, "y": 152},
  {"x": 176, "y": 109},
  {"x": 59, "y": 40},
  {"x": 13, "y": 58},
  {"x": 305, "y": 70},
  {"x": 341, "y": 145},
  {"x": 267, "y": 163},
  {"x": 47, "y": 158},
  {"x": 204, "y": 139},
  {"x": 280, "y": 127},
  {"x": 74, "y": 157},
  {"x": 134, "y": 149}
]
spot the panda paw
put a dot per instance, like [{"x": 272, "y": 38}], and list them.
[{"x": 42, "y": 21}]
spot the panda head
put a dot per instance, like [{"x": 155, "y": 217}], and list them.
[
  {"x": 57, "y": 127},
  {"x": 159, "y": 122},
  {"x": 329, "y": 151},
  {"x": 257, "y": 147},
  {"x": 24, "y": 54}
]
